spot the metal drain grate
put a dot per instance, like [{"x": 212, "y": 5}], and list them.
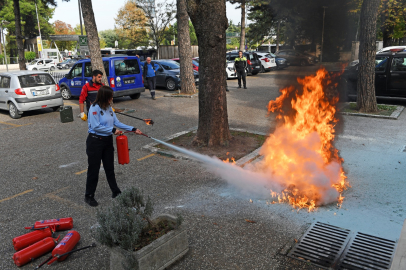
[
  {"x": 368, "y": 252},
  {"x": 322, "y": 244}
]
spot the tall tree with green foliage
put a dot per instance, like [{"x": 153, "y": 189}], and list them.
[
  {"x": 110, "y": 36},
  {"x": 19, "y": 37}
]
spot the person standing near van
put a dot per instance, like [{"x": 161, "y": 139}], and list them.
[
  {"x": 89, "y": 93},
  {"x": 240, "y": 65},
  {"x": 99, "y": 143},
  {"x": 148, "y": 73}
]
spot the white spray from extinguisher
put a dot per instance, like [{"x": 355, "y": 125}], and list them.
[{"x": 247, "y": 180}]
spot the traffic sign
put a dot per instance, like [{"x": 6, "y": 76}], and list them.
[{"x": 82, "y": 41}]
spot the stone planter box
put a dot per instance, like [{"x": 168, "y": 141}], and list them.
[{"x": 161, "y": 253}]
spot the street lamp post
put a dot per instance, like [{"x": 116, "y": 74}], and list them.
[
  {"x": 322, "y": 36},
  {"x": 3, "y": 22}
]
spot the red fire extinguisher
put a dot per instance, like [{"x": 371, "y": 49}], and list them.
[
  {"x": 30, "y": 238},
  {"x": 67, "y": 244},
  {"x": 122, "y": 149},
  {"x": 59, "y": 224},
  {"x": 36, "y": 250}
]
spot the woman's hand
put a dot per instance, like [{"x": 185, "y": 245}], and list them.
[
  {"x": 138, "y": 132},
  {"x": 118, "y": 132}
]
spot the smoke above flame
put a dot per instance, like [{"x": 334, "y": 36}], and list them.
[{"x": 300, "y": 155}]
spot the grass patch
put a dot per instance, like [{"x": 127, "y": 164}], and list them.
[
  {"x": 386, "y": 110},
  {"x": 241, "y": 144}
]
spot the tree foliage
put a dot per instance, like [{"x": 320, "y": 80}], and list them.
[
  {"x": 62, "y": 28},
  {"x": 131, "y": 25},
  {"x": 172, "y": 32},
  {"x": 109, "y": 36}
]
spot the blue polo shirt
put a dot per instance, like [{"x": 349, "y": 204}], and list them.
[
  {"x": 101, "y": 122},
  {"x": 150, "y": 70}
]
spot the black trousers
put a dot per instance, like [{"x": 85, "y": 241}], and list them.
[
  {"x": 151, "y": 81},
  {"x": 243, "y": 75},
  {"x": 100, "y": 148}
]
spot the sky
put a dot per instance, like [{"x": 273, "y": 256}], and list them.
[{"x": 105, "y": 12}]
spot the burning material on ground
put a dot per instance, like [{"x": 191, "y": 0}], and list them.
[{"x": 300, "y": 154}]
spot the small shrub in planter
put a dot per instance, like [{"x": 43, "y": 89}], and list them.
[{"x": 126, "y": 227}]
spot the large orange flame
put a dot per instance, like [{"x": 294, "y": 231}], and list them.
[{"x": 300, "y": 154}]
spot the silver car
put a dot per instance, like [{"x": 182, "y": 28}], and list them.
[{"x": 22, "y": 91}]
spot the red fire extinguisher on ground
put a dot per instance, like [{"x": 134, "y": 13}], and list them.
[
  {"x": 34, "y": 251},
  {"x": 30, "y": 238},
  {"x": 122, "y": 149},
  {"x": 59, "y": 224},
  {"x": 67, "y": 244}
]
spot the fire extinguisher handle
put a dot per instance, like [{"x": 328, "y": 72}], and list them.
[{"x": 72, "y": 251}]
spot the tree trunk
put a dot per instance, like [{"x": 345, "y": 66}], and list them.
[
  {"x": 277, "y": 35},
  {"x": 19, "y": 38},
  {"x": 93, "y": 38},
  {"x": 242, "y": 37},
  {"x": 366, "y": 100},
  {"x": 185, "y": 50},
  {"x": 210, "y": 22}
]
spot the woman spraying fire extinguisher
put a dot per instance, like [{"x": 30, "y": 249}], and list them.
[{"x": 99, "y": 144}]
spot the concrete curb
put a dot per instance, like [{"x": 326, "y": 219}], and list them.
[
  {"x": 394, "y": 116},
  {"x": 173, "y": 154},
  {"x": 181, "y": 96},
  {"x": 399, "y": 260}
]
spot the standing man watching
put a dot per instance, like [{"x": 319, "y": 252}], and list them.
[
  {"x": 89, "y": 93},
  {"x": 240, "y": 65},
  {"x": 148, "y": 73}
]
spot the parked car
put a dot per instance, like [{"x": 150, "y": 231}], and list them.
[
  {"x": 281, "y": 63},
  {"x": 254, "y": 64},
  {"x": 41, "y": 64},
  {"x": 230, "y": 70},
  {"x": 194, "y": 63},
  {"x": 67, "y": 63},
  {"x": 390, "y": 75},
  {"x": 168, "y": 74},
  {"x": 124, "y": 74},
  {"x": 268, "y": 62},
  {"x": 22, "y": 91},
  {"x": 386, "y": 49},
  {"x": 297, "y": 58}
]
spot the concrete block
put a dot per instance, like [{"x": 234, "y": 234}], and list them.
[
  {"x": 159, "y": 254},
  {"x": 399, "y": 261}
]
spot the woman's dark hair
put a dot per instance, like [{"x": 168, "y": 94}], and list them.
[{"x": 103, "y": 97}]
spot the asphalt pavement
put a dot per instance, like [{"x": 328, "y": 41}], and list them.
[{"x": 43, "y": 174}]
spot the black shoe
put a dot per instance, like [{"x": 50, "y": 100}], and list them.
[
  {"x": 91, "y": 201},
  {"x": 115, "y": 194},
  {"x": 245, "y": 87},
  {"x": 239, "y": 86},
  {"x": 153, "y": 97},
  {"x": 227, "y": 90}
]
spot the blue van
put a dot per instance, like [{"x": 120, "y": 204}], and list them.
[{"x": 124, "y": 74}]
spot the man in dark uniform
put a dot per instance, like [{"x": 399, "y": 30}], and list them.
[
  {"x": 89, "y": 93},
  {"x": 240, "y": 65},
  {"x": 148, "y": 73}
]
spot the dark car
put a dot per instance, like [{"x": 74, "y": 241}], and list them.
[
  {"x": 168, "y": 74},
  {"x": 67, "y": 64},
  {"x": 254, "y": 63},
  {"x": 296, "y": 58},
  {"x": 390, "y": 75},
  {"x": 281, "y": 63}
]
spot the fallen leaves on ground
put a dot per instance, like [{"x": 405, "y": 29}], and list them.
[
  {"x": 250, "y": 221},
  {"x": 35, "y": 178}
]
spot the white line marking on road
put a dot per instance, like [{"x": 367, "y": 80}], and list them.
[{"x": 68, "y": 165}]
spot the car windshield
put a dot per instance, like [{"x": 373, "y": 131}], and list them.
[
  {"x": 195, "y": 63},
  {"x": 169, "y": 65},
  {"x": 33, "y": 62},
  {"x": 34, "y": 80}
]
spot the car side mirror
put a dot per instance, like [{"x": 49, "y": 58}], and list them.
[{"x": 67, "y": 76}]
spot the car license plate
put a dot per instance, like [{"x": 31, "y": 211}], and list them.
[
  {"x": 197, "y": 79},
  {"x": 129, "y": 81},
  {"x": 39, "y": 93},
  {"x": 256, "y": 66}
]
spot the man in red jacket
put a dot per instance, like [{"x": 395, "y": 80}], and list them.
[{"x": 89, "y": 92}]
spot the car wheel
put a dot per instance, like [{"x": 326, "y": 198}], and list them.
[
  {"x": 262, "y": 69},
  {"x": 303, "y": 63},
  {"x": 170, "y": 85},
  {"x": 52, "y": 68},
  {"x": 65, "y": 92},
  {"x": 56, "y": 108},
  {"x": 13, "y": 111},
  {"x": 254, "y": 72},
  {"x": 135, "y": 96}
]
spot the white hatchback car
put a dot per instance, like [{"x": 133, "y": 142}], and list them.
[
  {"x": 41, "y": 64},
  {"x": 22, "y": 91},
  {"x": 267, "y": 61},
  {"x": 230, "y": 70}
]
